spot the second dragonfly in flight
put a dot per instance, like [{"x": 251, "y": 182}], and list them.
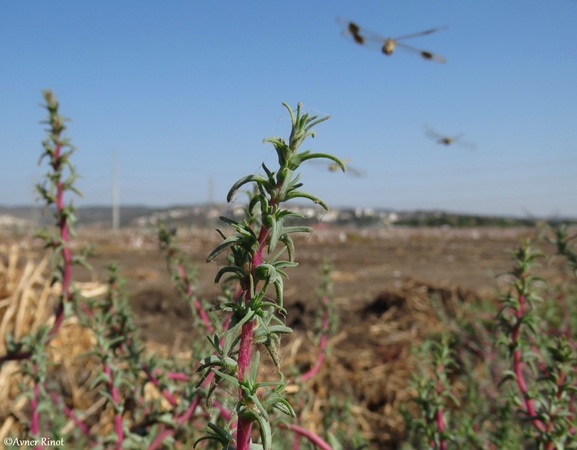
[{"x": 370, "y": 39}]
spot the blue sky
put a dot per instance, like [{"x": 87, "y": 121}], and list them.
[{"x": 185, "y": 91}]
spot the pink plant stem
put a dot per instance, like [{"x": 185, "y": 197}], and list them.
[
  {"x": 70, "y": 413},
  {"x": 35, "y": 422},
  {"x": 177, "y": 376},
  {"x": 566, "y": 315},
  {"x": 165, "y": 392},
  {"x": 87, "y": 310},
  {"x": 441, "y": 428},
  {"x": 325, "y": 328},
  {"x": 210, "y": 376},
  {"x": 201, "y": 312},
  {"x": 225, "y": 413},
  {"x": 572, "y": 409},
  {"x": 518, "y": 367},
  {"x": 64, "y": 238},
  {"x": 157, "y": 442},
  {"x": 551, "y": 425},
  {"x": 244, "y": 426},
  {"x": 173, "y": 375},
  {"x": 299, "y": 431},
  {"x": 542, "y": 362},
  {"x": 314, "y": 438},
  {"x": 440, "y": 416},
  {"x": 116, "y": 400},
  {"x": 16, "y": 357},
  {"x": 297, "y": 442}
]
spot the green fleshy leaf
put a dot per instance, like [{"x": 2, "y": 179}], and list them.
[
  {"x": 297, "y": 229},
  {"x": 232, "y": 240},
  {"x": 278, "y": 284},
  {"x": 266, "y": 272},
  {"x": 264, "y": 425},
  {"x": 248, "y": 179},
  {"x": 275, "y": 234},
  {"x": 228, "y": 269},
  {"x": 301, "y": 194},
  {"x": 290, "y": 246},
  {"x": 339, "y": 163}
]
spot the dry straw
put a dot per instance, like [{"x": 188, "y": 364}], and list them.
[{"x": 26, "y": 297}]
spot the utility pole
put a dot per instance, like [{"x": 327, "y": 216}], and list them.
[
  {"x": 34, "y": 209},
  {"x": 210, "y": 190},
  {"x": 115, "y": 193}
]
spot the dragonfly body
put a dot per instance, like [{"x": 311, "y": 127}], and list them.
[
  {"x": 334, "y": 167},
  {"x": 448, "y": 140},
  {"x": 370, "y": 39},
  {"x": 389, "y": 46}
]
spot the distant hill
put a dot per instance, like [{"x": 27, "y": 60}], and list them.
[
  {"x": 207, "y": 215},
  {"x": 86, "y": 215}
]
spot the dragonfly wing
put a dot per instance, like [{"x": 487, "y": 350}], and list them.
[
  {"x": 466, "y": 145},
  {"x": 360, "y": 35},
  {"x": 424, "y": 54},
  {"x": 422, "y": 33},
  {"x": 356, "y": 172},
  {"x": 334, "y": 167},
  {"x": 432, "y": 133},
  {"x": 349, "y": 29}
]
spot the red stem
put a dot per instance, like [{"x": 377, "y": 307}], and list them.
[
  {"x": 66, "y": 255},
  {"x": 189, "y": 291},
  {"x": 66, "y": 278},
  {"x": 225, "y": 413},
  {"x": 244, "y": 426},
  {"x": 518, "y": 367},
  {"x": 165, "y": 392},
  {"x": 169, "y": 432},
  {"x": 70, "y": 413},
  {"x": 439, "y": 416},
  {"x": 297, "y": 442},
  {"x": 551, "y": 425},
  {"x": 173, "y": 375},
  {"x": 300, "y": 431},
  {"x": 35, "y": 423},
  {"x": 325, "y": 328},
  {"x": 116, "y": 400},
  {"x": 314, "y": 438},
  {"x": 210, "y": 376},
  {"x": 16, "y": 357},
  {"x": 572, "y": 409},
  {"x": 566, "y": 315}
]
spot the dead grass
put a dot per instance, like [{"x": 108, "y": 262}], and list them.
[
  {"x": 26, "y": 301},
  {"x": 370, "y": 359}
]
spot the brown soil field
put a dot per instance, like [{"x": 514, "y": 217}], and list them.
[
  {"x": 384, "y": 281},
  {"x": 367, "y": 262}
]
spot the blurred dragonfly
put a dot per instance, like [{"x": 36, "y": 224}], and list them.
[
  {"x": 371, "y": 39},
  {"x": 334, "y": 167},
  {"x": 448, "y": 140}
]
